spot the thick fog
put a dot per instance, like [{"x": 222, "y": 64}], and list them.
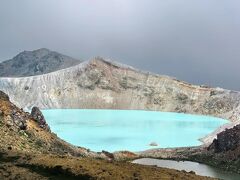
[{"x": 196, "y": 41}]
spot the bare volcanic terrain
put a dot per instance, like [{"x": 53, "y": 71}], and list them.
[
  {"x": 104, "y": 84},
  {"x": 30, "y": 63},
  {"x": 28, "y": 150},
  {"x": 111, "y": 85}
]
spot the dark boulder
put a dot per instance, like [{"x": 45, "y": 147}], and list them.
[
  {"x": 37, "y": 115},
  {"x": 227, "y": 140}
]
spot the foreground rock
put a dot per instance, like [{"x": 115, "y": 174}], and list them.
[
  {"x": 225, "y": 149},
  {"x": 39, "y": 118},
  {"x": 228, "y": 140}
]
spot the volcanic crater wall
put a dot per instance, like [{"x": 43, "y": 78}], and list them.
[{"x": 108, "y": 85}]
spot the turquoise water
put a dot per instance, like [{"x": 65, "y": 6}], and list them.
[{"x": 114, "y": 130}]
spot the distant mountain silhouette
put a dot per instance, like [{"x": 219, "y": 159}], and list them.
[{"x": 37, "y": 62}]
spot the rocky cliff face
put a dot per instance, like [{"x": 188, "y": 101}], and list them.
[
  {"x": 37, "y": 115},
  {"x": 30, "y": 63},
  {"x": 104, "y": 84},
  {"x": 228, "y": 140},
  {"x": 225, "y": 149}
]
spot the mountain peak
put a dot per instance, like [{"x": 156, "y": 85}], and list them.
[
  {"x": 36, "y": 62},
  {"x": 38, "y": 53},
  {"x": 42, "y": 50}
]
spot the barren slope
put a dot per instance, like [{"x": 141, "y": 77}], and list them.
[{"x": 103, "y": 84}]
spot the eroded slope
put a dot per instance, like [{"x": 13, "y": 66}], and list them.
[{"x": 113, "y": 86}]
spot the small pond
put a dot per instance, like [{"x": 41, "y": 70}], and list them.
[{"x": 199, "y": 169}]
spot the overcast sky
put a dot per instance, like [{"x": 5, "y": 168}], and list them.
[{"x": 194, "y": 40}]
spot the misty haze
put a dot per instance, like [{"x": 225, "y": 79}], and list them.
[{"x": 195, "y": 41}]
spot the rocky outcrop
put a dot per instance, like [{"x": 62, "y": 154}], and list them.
[
  {"x": 111, "y": 85},
  {"x": 224, "y": 151},
  {"x": 39, "y": 118},
  {"x": 228, "y": 140},
  {"x": 30, "y": 63}
]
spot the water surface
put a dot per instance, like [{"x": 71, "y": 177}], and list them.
[
  {"x": 200, "y": 169},
  {"x": 132, "y": 130}
]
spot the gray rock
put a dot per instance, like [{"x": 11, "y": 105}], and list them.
[
  {"x": 153, "y": 144},
  {"x": 9, "y": 121},
  {"x": 30, "y": 63},
  {"x": 227, "y": 140},
  {"x": 37, "y": 115}
]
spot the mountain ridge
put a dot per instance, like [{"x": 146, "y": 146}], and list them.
[
  {"x": 36, "y": 62},
  {"x": 103, "y": 84},
  {"x": 115, "y": 86}
]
